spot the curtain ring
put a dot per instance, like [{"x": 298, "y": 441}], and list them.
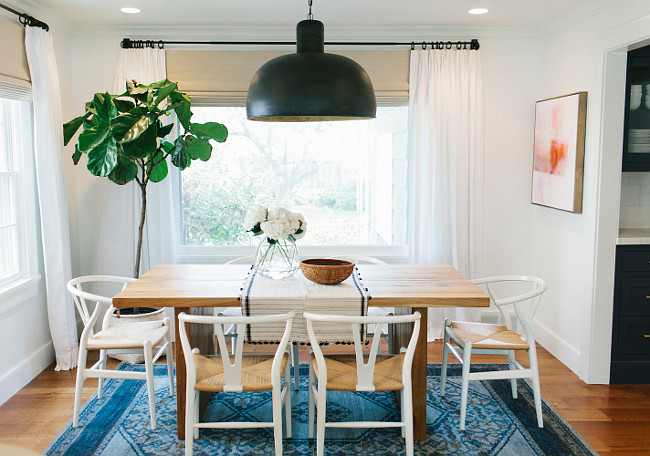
[
  {"x": 161, "y": 44},
  {"x": 448, "y": 45},
  {"x": 424, "y": 45},
  {"x": 459, "y": 46},
  {"x": 412, "y": 46}
]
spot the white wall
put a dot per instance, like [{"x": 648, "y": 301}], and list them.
[
  {"x": 575, "y": 252},
  {"x": 25, "y": 341}
]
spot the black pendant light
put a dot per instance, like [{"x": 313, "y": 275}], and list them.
[{"x": 310, "y": 85}]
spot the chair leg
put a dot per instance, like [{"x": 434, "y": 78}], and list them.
[
  {"x": 445, "y": 355},
  {"x": 81, "y": 368},
  {"x": 295, "y": 362},
  {"x": 189, "y": 420},
  {"x": 402, "y": 412},
  {"x": 170, "y": 366},
  {"x": 513, "y": 381},
  {"x": 102, "y": 365},
  {"x": 407, "y": 418},
  {"x": 287, "y": 401},
  {"x": 320, "y": 420},
  {"x": 148, "y": 367},
  {"x": 310, "y": 395},
  {"x": 532, "y": 354},
  {"x": 277, "y": 419},
  {"x": 467, "y": 358},
  {"x": 197, "y": 418}
]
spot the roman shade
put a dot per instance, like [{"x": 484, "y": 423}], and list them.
[
  {"x": 221, "y": 78},
  {"x": 13, "y": 59}
]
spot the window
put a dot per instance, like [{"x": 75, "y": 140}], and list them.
[
  {"x": 16, "y": 188},
  {"x": 349, "y": 179}
]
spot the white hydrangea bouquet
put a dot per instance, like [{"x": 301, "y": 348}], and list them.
[{"x": 277, "y": 254}]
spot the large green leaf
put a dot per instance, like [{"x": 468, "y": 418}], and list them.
[
  {"x": 164, "y": 131},
  {"x": 90, "y": 107},
  {"x": 91, "y": 137},
  {"x": 129, "y": 126},
  {"x": 102, "y": 159},
  {"x": 160, "y": 170},
  {"x": 164, "y": 92},
  {"x": 124, "y": 172},
  {"x": 76, "y": 156},
  {"x": 210, "y": 130},
  {"x": 199, "y": 148},
  {"x": 70, "y": 128},
  {"x": 179, "y": 154},
  {"x": 182, "y": 109},
  {"x": 123, "y": 105},
  {"x": 144, "y": 145},
  {"x": 104, "y": 106}
]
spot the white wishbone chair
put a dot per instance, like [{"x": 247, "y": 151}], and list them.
[
  {"x": 236, "y": 373},
  {"x": 231, "y": 332},
  {"x": 486, "y": 338},
  {"x": 372, "y": 311},
  {"x": 140, "y": 337},
  {"x": 359, "y": 372}
]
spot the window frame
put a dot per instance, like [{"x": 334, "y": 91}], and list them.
[
  {"x": 190, "y": 254},
  {"x": 22, "y": 285}
]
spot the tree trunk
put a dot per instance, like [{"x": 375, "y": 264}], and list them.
[{"x": 143, "y": 214}]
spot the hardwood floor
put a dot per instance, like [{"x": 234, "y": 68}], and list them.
[{"x": 614, "y": 420}]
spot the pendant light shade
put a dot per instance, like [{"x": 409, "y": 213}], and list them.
[{"x": 310, "y": 85}]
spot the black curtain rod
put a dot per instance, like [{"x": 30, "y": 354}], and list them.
[
  {"x": 128, "y": 43},
  {"x": 26, "y": 19}
]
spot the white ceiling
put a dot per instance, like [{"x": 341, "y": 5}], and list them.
[{"x": 503, "y": 13}]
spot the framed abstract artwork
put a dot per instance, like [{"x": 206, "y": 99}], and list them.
[{"x": 559, "y": 151}]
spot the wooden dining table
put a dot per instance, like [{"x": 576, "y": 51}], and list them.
[{"x": 197, "y": 288}]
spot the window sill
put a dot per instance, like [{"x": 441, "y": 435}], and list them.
[
  {"x": 216, "y": 255},
  {"x": 18, "y": 292}
]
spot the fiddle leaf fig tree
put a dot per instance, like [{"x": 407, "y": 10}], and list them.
[{"x": 125, "y": 139}]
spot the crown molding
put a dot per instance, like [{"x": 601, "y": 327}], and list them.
[{"x": 577, "y": 14}]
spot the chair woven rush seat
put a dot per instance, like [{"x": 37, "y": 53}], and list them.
[
  {"x": 132, "y": 335},
  {"x": 488, "y": 336},
  {"x": 342, "y": 372},
  {"x": 255, "y": 373}
]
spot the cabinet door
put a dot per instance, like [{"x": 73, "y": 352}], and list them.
[
  {"x": 635, "y": 260},
  {"x": 634, "y": 336},
  {"x": 635, "y": 296},
  {"x": 636, "y": 141}
]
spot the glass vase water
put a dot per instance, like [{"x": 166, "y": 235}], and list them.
[{"x": 276, "y": 259}]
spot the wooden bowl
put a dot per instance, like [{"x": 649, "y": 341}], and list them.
[{"x": 326, "y": 271}]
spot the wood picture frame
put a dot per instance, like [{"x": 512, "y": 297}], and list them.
[{"x": 559, "y": 152}]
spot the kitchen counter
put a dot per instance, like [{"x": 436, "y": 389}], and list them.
[{"x": 633, "y": 236}]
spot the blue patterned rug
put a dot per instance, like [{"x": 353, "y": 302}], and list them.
[{"x": 118, "y": 424}]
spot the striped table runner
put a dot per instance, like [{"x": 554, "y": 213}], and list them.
[{"x": 263, "y": 296}]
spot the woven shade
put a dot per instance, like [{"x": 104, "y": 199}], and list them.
[
  {"x": 13, "y": 59},
  {"x": 221, "y": 78}
]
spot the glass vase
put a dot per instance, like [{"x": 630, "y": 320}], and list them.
[{"x": 276, "y": 259}]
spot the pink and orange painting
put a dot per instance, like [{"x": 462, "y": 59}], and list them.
[{"x": 558, "y": 154}]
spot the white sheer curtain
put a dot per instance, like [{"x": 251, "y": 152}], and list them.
[
  {"x": 48, "y": 148},
  {"x": 119, "y": 205},
  {"x": 446, "y": 151}
]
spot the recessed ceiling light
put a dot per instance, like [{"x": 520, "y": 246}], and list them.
[
  {"x": 478, "y": 11},
  {"x": 130, "y": 10}
]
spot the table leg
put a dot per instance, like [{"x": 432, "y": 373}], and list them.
[
  {"x": 419, "y": 379},
  {"x": 180, "y": 375}
]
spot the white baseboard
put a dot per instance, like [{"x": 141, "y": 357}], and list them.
[
  {"x": 26, "y": 371},
  {"x": 556, "y": 345}
]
